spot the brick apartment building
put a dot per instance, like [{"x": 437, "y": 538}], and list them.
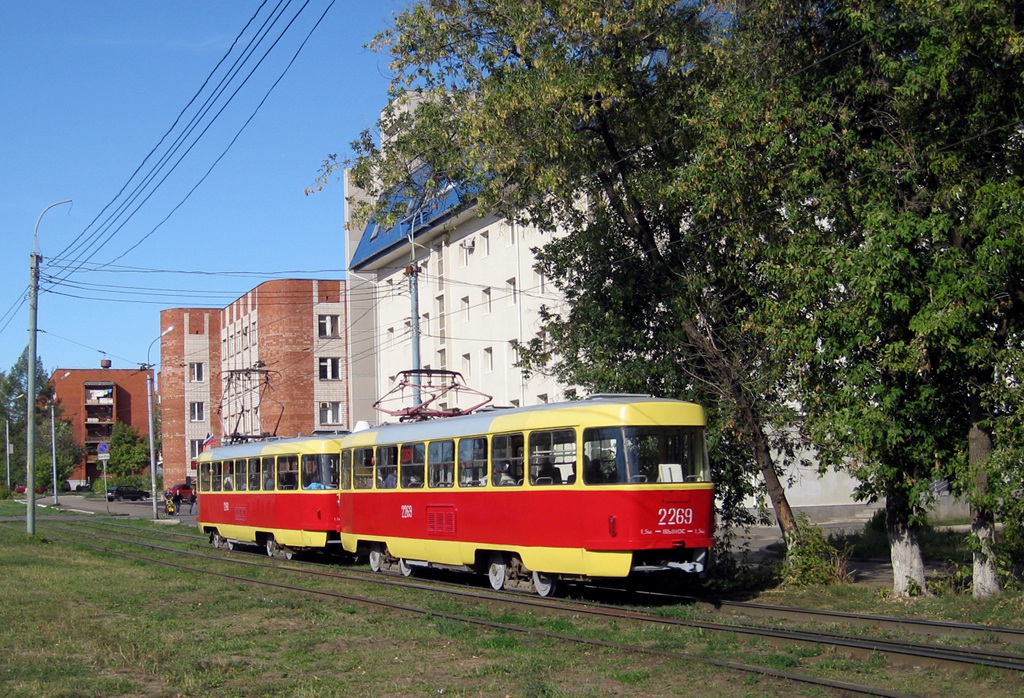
[
  {"x": 93, "y": 399},
  {"x": 274, "y": 362}
]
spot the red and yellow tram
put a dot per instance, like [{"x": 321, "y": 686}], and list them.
[
  {"x": 604, "y": 487},
  {"x": 279, "y": 494}
]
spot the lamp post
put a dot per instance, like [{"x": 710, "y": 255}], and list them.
[
  {"x": 30, "y": 393},
  {"x": 152, "y": 426}
]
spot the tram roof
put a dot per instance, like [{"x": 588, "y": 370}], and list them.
[{"x": 606, "y": 409}]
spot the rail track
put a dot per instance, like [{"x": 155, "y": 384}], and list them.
[{"x": 158, "y": 544}]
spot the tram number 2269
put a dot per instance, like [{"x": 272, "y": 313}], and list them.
[{"x": 675, "y": 516}]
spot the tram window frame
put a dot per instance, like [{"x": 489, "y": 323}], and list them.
[
  {"x": 288, "y": 472},
  {"x": 602, "y": 455},
  {"x": 362, "y": 468},
  {"x": 204, "y": 476},
  {"x": 507, "y": 449},
  {"x": 385, "y": 470},
  {"x": 255, "y": 476},
  {"x": 413, "y": 461},
  {"x": 553, "y": 457},
  {"x": 441, "y": 463},
  {"x": 346, "y": 469},
  {"x": 216, "y": 469},
  {"x": 269, "y": 467},
  {"x": 310, "y": 472},
  {"x": 241, "y": 475},
  {"x": 472, "y": 461}
]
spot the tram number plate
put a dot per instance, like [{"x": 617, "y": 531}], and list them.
[
  {"x": 407, "y": 511},
  {"x": 675, "y": 516}
]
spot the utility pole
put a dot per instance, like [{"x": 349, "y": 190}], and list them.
[
  {"x": 30, "y": 393},
  {"x": 413, "y": 272}
]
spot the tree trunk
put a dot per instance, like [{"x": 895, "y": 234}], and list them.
[
  {"x": 723, "y": 368},
  {"x": 905, "y": 551},
  {"x": 983, "y": 526}
]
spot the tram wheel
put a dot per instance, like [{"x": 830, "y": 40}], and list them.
[
  {"x": 496, "y": 570},
  {"x": 376, "y": 559},
  {"x": 275, "y": 550},
  {"x": 217, "y": 541},
  {"x": 544, "y": 584},
  {"x": 405, "y": 568}
]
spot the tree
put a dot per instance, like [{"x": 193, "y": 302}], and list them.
[
  {"x": 129, "y": 452},
  {"x": 882, "y": 140},
  {"x": 568, "y": 116},
  {"x": 12, "y": 394}
]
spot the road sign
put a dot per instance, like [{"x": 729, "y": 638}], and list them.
[
  {"x": 103, "y": 448},
  {"x": 103, "y": 457}
]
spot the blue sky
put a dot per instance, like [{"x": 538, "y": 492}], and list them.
[{"x": 89, "y": 89}]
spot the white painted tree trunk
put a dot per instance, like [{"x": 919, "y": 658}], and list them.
[
  {"x": 907, "y": 564},
  {"x": 985, "y": 579}
]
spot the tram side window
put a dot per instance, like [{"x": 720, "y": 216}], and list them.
[
  {"x": 553, "y": 457},
  {"x": 268, "y": 473},
  {"x": 346, "y": 470},
  {"x": 312, "y": 478},
  {"x": 241, "y": 474},
  {"x": 440, "y": 463},
  {"x": 216, "y": 475},
  {"x": 507, "y": 460},
  {"x": 254, "y": 474},
  {"x": 603, "y": 460},
  {"x": 204, "y": 477},
  {"x": 413, "y": 457},
  {"x": 473, "y": 462},
  {"x": 329, "y": 469},
  {"x": 387, "y": 467},
  {"x": 362, "y": 468},
  {"x": 287, "y": 472}
]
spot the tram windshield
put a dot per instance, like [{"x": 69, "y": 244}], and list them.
[{"x": 644, "y": 455}]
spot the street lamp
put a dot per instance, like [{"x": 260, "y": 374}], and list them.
[
  {"x": 152, "y": 427},
  {"x": 30, "y": 392}
]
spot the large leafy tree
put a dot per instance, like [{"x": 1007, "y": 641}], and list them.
[
  {"x": 129, "y": 452},
  {"x": 572, "y": 115},
  {"x": 881, "y": 143},
  {"x": 12, "y": 394}
]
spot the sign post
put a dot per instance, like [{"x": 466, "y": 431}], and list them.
[{"x": 103, "y": 455}]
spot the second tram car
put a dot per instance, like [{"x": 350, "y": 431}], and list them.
[
  {"x": 279, "y": 494},
  {"x": 603, "y": 487}
]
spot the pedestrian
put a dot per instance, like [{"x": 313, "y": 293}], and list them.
[
  {"x": 177, "y": 502},
  {"x": 192, "y": 502}
]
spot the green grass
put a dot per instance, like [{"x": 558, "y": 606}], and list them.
[{"x": 87, "y": 623}]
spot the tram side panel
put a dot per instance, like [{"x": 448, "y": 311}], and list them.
[
  {"x": 593, "y": 532},
  {"x": 301, "y": 519}
]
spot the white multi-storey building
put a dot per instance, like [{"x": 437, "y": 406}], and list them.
[{"x": 478, "y": 299}]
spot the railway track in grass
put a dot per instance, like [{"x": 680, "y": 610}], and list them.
[{"x": 960, "y": 658}]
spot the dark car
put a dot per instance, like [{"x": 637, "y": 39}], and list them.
[
  {"x": 122, "y": 492},
  {"x": 184, "y": 490}
]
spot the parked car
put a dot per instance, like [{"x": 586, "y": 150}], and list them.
[
  {"x": 122, "y": 492},
  {"x": 184, "y": 490},
  {"x": 20, "y": 489}
]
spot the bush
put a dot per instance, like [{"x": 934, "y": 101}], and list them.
[
  {"x": 5, "y": 493},
  {"x": 813, "y": 559}
]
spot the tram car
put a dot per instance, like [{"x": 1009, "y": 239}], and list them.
[
  {"x": 279, "y": 494},
  {"x": 607, "y": 487}
]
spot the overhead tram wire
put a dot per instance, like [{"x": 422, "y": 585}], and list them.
[
  {"x": 78, "y": 263},
  {"x": 210, "y": 123},
  {"x": 76, "y": 243}
]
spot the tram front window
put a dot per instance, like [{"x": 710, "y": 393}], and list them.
[{"x": 639, "y": 455}]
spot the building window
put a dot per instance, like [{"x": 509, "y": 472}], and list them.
[
  {"x": 330, "y": 413},
  {"x": 510, "y": 290},
  {"x": 329, "y": 326},
  {"x": 442, "y": 359},
  {"x": 486, "y": 301},
  {"x": 441, "y": 329},
  {"x": 465, "y": 308},
  {"x": 485, "y": 244},
  {"x": 542, "y": 398},
  {"x": 330, "y": 369},
  {"x": 197, "y": 411},
  {"x": 391, "y": 338},
  {"x": 195, "y": 447},
  {"x": 196, "y": 371},
  {"x": 467, "y": 365},
  {"x": 488, "y": 360}
]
